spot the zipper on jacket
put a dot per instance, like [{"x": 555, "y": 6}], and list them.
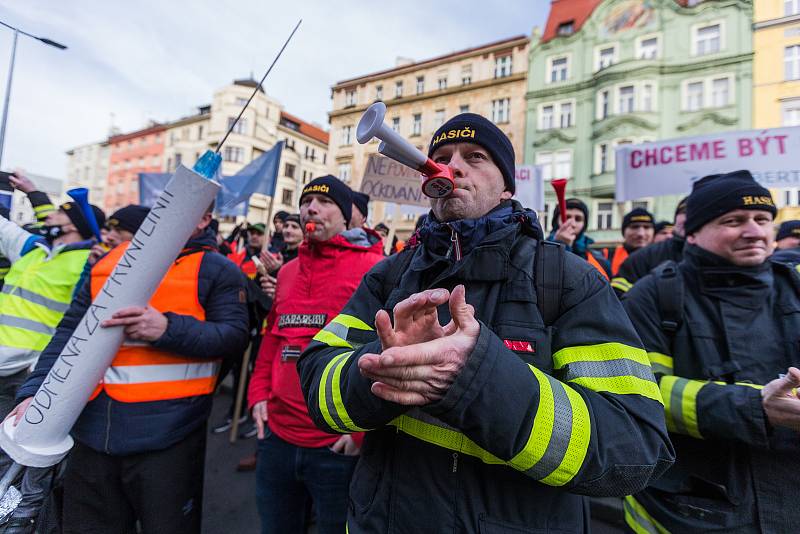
[
  {"x": 455, "y": 462},
  {"x": 108, "y": 426},
  {"x": 456, "y": 248}
]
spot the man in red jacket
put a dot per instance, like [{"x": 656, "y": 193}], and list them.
[{"x": 296, "y": 460}]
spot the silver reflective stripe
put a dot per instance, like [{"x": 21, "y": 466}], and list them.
[
  {"x": 27, "y": 324},
  {"x": 638, "y": 519},
  {"x": 141, "y": 374},
  {"x": 36, "y": 298},
  {"x": 609, "y": 368},
  {"x": 559, "y": 438},
  {"x": 341, "y": 331}
]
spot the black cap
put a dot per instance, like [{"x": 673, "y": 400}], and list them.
[
  {"x": 788, "y": 229},
  {"x": 293, "y": 217},
  {"x": 77, "y": 218},
  {"x": 637, "y": 215},
  {"x": 661, "y": 225},
  {"x": 333, "y": 188},
  {"x": 717, "y": 194},
  {"x": 572, "y": 204},
  {"x": 280, "y": 215},
  {"x": 473, "y": 128},
  {"x": 361, "y": 200},
  {"x": 128, "y": 218},
  {"x": 681, "y": 207}
]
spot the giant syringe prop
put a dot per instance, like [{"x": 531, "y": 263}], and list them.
[{"x": 41, "y": 439}]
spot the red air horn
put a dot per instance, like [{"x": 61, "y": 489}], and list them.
[
  {"x": 437, "y": 180},
  {"x": 560, "y": 187}
]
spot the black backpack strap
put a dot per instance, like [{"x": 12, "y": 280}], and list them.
[
  {"x": 549, "y": 279},
  {"x": 395, "y": 272},
  {"x": 670, "y": 296}
]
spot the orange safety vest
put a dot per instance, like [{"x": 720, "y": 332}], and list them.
[
  {"x": 596, "y": 264},
  {"x": 141, "y": 373},
  {"x": 620, "y": 255}
]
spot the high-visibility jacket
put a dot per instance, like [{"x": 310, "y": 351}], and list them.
[
  {"x": 37, "y": 291},
  {"x": 538, "y": 416},
  {"x": 618, "y": 256},
  {"x": 141, "y": 373}
]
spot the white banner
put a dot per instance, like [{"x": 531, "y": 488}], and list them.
[
  {"x": 530, "y": 187},
  {"x": 670, "y": 167}
]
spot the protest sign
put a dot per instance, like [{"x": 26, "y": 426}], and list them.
[
  {"x": 530, "y": 187},
  {"x": 389, "y": 181}
]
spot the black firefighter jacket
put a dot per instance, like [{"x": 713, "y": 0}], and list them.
[
  {"x": 740, "y": 328},
  {"x": 640, "y": 263},
  {"x": 538, "y": 417}
]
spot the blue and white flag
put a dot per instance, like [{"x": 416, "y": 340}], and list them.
[{"x": 259, "y": 176}]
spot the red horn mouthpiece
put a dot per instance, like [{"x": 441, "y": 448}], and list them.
[
  {"x": 310, "y": 226},
  {"x": 560, "y": 187}
]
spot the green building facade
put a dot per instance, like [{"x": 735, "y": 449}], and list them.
[{"x": 612, "y": 72}]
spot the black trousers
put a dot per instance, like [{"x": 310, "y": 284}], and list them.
[{"x": 163, "y": 490}]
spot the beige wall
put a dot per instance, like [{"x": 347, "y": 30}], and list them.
[
  {"x": 478, "y": 95},
  {"x": 87, "y": 166}
]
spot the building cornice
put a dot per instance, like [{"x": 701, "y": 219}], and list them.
[
  {"x": 791, "y": 19},
  {"x": 302, "y": 136},
  {"x": 611, "y": 75},
  {"x": 612, "y": 124},
  {"x": 711, "y": 116},
  {"x": 520, "y": 76},
  {"x": 553, "y": 135}
]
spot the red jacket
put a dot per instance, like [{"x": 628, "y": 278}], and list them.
[{"x": 311, "y": 291}]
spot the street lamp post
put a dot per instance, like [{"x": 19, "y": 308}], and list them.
[{"x": 7, "y": 98}]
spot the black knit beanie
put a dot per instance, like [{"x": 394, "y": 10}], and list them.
[
  {"x": 129, "y": 218},
  {"x": 637, "y": 215},
  {"x": 788, "y": 229},
  {"x": 572, "y": 204},
  {"x": 333, "y": 188},
  {"x": 717, "y": 194},
  {"x": 473, "y": 128},
  {"x": 361, "y": 200},
  {"x": 77, "y": 218}
]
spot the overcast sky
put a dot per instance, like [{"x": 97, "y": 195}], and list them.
[{"x": 159, "y": 60}]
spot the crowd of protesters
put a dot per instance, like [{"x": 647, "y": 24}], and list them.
[{"x": 483, "y": 376}]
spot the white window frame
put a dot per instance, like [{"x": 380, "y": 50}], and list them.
[
  {"x": 685, "y": 94},
  {"x": 597, "y": 58},
  {"x": 791, "y": 7},
  {"x": 345, "y": 171},
  {"x": 790, "y": 105},
  {"x": 618, "y": 99},
  {"x": 712, "y": 100},
  {"x": 551, "y": 123},
  {"x": 420, "y": 85},
  {"x": 347, "y": 135},
  {"x": 609, "y": 91},
  {"x": 556, "y": 163},
  {"x": 416, "y": 124},
  {"x": 571, "y": 119},
  {"x": 598, "y": 157},
  {"x": 547, "y": 166},
  {"x": 608, "y": 216},
  {"x": 700, "y": 25},
  {"x": 549, "y": 70},
  {"x": 653, "y": 96},
  {"x": 438, "y": 118},
  {"x": 503, "y": 65},
  {"x": 466, "y": 74},
  {"x": 398, "y": 89},
  {"x": 441, "y": 83},
  {"x": 791, "y": 63},
  {"x": 708, "y": 85},
  {"x": 350, "y": 97},
  {"x": 396, "y": 124},
  {"x": 788, "y": 197},
  {"x": 501, "y": 110},
  {"x": 379, "y": 92},
  {"x": 641, "y": 39}
]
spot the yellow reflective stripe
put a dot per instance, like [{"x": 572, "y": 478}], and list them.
[
  {"x": 621, "y": 284},
  {"x": 621, "y": 385},
  {"x": 321, "y": 397},
  {"x": 351, "y": 322},
  {"x": 639, "y": 520},
  {"x": 599, "y": 353},
  {"x": 332, "y": 340},
  {"x": 578, "y": 441},
  {"x": 337, "y": 397},
  {"x": 542, "y": 426},
  {"x": 444, "y": 437},
  {"x": 689, "y": 408},
  {"x": 680, "y": 404},
  {"x": 661, "y": 363},
  {"x": 747, "y": 384}
]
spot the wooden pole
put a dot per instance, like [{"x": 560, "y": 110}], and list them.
[
  {"x": 237, "y": 405},
  {"x": 387, "y": 247}
]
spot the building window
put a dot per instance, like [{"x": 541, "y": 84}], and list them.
[
  {"x": 438, "y": 118},
  {"x": 416, "y": 125},
  {"x": 463, "y": 108},
  {"x": 466, "y": 74},
  {"x": 344, "y": 172},
  {"x": 547, "y": 117},
  {"x": 566, "y": 115},
  {"x": 789, "y": 197},
  {"x": 240, "y": 127},
  {"x": 720, "y": 92},
  {"x": 602, "y": 164},
  {"x": 398, "y": 89},
  {"x": 790, "y": 112},
  {"x": 420, "y": 85},
  {"x": 232, "y": 153},
  {"x": 606, "y": 56},
  {"x": 708, "y": 39},
  {"x": 286, "y": 197},
  {"x": 442, "y": 83},
  {"x": 566, "y": 28},
  {"x": 502, "y": 66},
  {"x": 605, "y": 104},
  {"x": 545, "y": 161},
  {"x": 791, "y": 62},
  {"x": 350, "y": 98},
  {"x": 179, "y": 157},
  {"x": 563, "y": 164},
  {"x": 559, "y": 69},
  {"x": 396, "y": 124},
  {"x": 288, "y": 170},
  {"x": 647, "y": 97},
  {"x": 694, "y": 96},
  {"x": 378, "y": 92},
  {"x": 605, "y": 215},
  {"x": 310, "y": 155},
  {"x": 241, "y": 101},
  {"x": 626, "y": 99},
  {"x": 500, "y": 109},
  {"x": 791, "y": 7},
  {"x": 200, "y": 132},
  {"x": 647, "y": 48},
  {"x": 347, "y": 135}
]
